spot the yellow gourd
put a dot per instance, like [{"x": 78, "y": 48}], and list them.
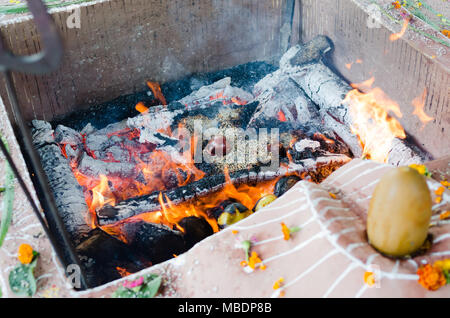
[{"x": 399, "y": 213}]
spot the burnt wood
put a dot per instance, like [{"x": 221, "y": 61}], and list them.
[
  {"x": 157, "y": 242},
  {"x": 102, "y": 255},
  {"x": 195, "y": 230},
  {"x": 304, "y": 64},
  {"x": 316, "y": 168},
  {"x": 68, "y": 194}
]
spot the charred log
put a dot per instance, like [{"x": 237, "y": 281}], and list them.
[
  {"x": 327, "y": 90},
  {"x": 315, "y": 168},
  {"x": 195, "y": 230},
  {"x": 102, "y": 255},
  {"x": 68, "y": 194},
  {"x": 94, "y": 168},
  {"x": 157, "y": 242}
]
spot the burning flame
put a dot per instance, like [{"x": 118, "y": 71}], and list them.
[
  {"x": 140, "y": 107},
  {"x": 159, "y": 170},
  {"x": 227, "y": 100},
  {"x": 281, "y": 116},
  {"x": 419, "y": 103},
  {"x": 171, "y": 214},
  {"x": 157, "y": 92},
  {"x": 395, "y": 36},
  {"x": 371, "y": 121}
]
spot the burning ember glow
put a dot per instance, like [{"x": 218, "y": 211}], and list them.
[
  {"x": 153, "y": 185},
  {"x": 158, "y": 171},
  {"x": 171, "y": 214},
  {"x": 373, "y": 125},
  {"x": 419, "y": 103},
  {"x": 156, "y": 89},
  {"x": 281, "y": 116}
]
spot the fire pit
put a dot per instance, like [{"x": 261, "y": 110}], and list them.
[{"x": 144, "y": 177}]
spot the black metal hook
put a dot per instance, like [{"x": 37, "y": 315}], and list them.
[{"x": 45, "y": 61}]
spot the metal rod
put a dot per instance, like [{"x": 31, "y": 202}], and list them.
[
  {"x": 45, "y": 61},
  {"x": 42, "y": 182}
]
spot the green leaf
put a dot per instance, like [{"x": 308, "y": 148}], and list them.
[
  {"x": 8, "y": 199},
  {"x": 246, "y": 245},
  {"x": 22, "y": 281},
  {"x": 447, "y": 276},
  {"x": 295, "y": 229},
  {"x": 150, "y": 289},
  {"x": 123, "y": 292}
]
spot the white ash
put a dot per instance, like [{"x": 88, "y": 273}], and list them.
[
  {"x": 306, "y": 143},
  {"x": 42, "y": 133},
  {"x": 94, "y": 168},
  {"x": 88, "y": 129},
  {"x": 220, "y": 88},
  {"x": 149, "y": 124},
  {"x": 66, "y": 135},
  {"x": 278, "y": 92}
]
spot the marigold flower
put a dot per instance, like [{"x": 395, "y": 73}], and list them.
[
  {"x": 444, "y": 215},
  {"x": 440, "y": 191},
  {"x": 438, "y": 199},
  {"x": 446, "y": 33},
  {"x": 278, "y": 283},
  {"x": 445, "y": 183},
  {"x": 422, "y": 169},
  {"x": 288, "y": 231},
  {"x": 396, "y": 4},
  {"x": 25, "y": 254},
  {"x": 431, "y": 277},
  {"x": 369, "y": 278},
  {"x": 253, "y": 260}
]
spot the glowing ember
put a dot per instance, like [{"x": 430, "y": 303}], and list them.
[
  {"x": 171, "y": 214},
  {"x": 371, "y": 121},
  {"x": 281, "y": 116},
  {"x": 158, "y": 170},
  {"x": 140, "y": 107}
]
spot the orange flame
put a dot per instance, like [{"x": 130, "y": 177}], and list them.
[
  {"x": 156, "y": 89},
  {"x": 395, "y": 36},
  {"x": 123, "y": 272},
  {"x": 140, "y": 107},
  {"x": 419, "y": 103},
  {"x": 281, "y": 116},
  {"x": 371, "y": 121}
]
